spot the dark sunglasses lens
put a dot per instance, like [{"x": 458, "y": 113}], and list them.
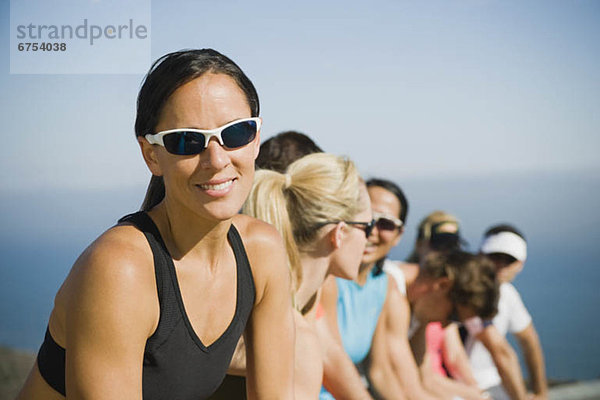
[
  {"x": 184, "y": 143},
  {"x": 369, "y": 229},
  {"x": 384, "y": 224},
  {"x": 240, "y": 134}
]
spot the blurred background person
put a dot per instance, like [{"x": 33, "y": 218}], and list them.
[
  {"x": 444, "y": 355},
  {"x": 507, "y": 248},
  {"x": 279, "y": 151}
]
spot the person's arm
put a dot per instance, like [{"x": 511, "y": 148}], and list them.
[
  {"x": 443, "y": 387},
  {"x": 506, "y": 362},
  {"x": 270, "y": 331},
  {"x": 397, "y": 320},
  {"x": 340, "y": 376},
  {"x": 111, "y": 309},
  {"x": 534, "y": 358},
  {"x": 455, "y": 357},
  {"x": 382, "y": 376},
  {"x": 237, "y": 366}
]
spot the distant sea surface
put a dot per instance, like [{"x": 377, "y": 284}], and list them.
[{"x": 43, "y": 232}]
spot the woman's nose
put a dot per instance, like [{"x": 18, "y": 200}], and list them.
[{"x": 214, "y": 156}]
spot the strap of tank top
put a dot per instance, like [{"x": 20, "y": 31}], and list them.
[
  {"x": 144, "y": 223},
  {"x": 241, "y": 259}
]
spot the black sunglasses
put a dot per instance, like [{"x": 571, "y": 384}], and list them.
[
  {"x": 185, "y": 142},
  {"x": 367, "y": 227}
]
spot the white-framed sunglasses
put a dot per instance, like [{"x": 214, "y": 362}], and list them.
[
  {"x": 188, "y": 141},
  {"x": 385, "y": 222}
]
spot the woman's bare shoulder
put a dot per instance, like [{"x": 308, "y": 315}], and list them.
[
  {"x": 118, "y": 261},
  {"x": 121, "y": 250},
  {"x": 262, "y": 241},
  {"x": 113, "y": 276},
  {"x": 411, "y": 270},
  {"x": 256, "y": 232},
  {"x": 266, "y": 252}
]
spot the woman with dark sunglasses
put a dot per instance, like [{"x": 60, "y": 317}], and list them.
[
  {"x": 155, "y": 306},
  {"x": 321, "y": 208},
  {"x": 357, "y": 310},
  {"x": 383, "y": 333}
]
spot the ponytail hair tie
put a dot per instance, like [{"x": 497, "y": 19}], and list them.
[{"x": 288, "y": 180}]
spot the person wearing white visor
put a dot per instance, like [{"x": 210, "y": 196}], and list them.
[{"x": 493, "y": 364}]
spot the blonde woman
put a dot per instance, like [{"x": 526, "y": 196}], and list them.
[{"x": 321, "y": 208}]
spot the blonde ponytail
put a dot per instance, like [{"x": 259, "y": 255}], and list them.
[
  {"x": 267, "y": 202},
  {"x": 316, "y": 188}
]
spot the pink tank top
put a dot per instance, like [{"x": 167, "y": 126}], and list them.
[{"x": 434, "y": 338}]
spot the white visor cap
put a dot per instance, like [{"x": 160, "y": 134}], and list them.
[{"x": 507, "y": 243}]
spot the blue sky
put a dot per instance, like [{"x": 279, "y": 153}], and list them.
[{"x": 406, "y": 89}]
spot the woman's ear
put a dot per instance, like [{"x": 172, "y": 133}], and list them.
[
  {"x": 257, "y": 145},
  {"x": 337, "y": 235},
  {"x": 444, "y": 284},
  {"x": 399, "y": 236},
  {"x": 150, "y": 157}
]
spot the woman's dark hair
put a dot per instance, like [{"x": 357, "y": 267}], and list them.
[
  {"x": 279, "y": 151},
  {"x": 503, "y": 228},
  {"x": 473, "y": 278},
  {"x": 396, "y": 191},
  {"x": 166, "y": 75}
]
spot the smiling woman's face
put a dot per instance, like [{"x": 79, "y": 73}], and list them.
[
  {"x": 385, "y": 203},
  {"x": 215, "y": 183}
]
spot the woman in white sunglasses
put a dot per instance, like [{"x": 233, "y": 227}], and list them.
[{"x": 154, "y": 307}]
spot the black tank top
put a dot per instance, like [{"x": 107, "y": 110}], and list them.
[{"x": 177, "y": 365}]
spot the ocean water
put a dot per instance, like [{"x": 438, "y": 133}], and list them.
[{"x": 43, "y": 233}]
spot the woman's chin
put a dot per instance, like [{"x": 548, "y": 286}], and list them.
[
  {"x": 370, "y": 257},
  {"x": 221, "y": 212}
]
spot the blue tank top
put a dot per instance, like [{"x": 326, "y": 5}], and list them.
[{"x": 358, "y": 310}]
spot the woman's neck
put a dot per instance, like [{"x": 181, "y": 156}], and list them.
[
  {"x": 188, "y": 234},
  {"x": 314, "y": 272},
  {"x": 363, "y": 273}
]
